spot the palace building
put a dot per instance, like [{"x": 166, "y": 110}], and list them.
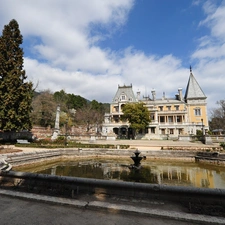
[{"x": 171, "y": 118}]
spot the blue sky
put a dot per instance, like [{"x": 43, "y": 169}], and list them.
[
  {"x": 89, "y": 47},
  {"x": 161, "y": 27}
]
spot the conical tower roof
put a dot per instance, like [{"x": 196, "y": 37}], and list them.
[{"x": 193, "y": 90}]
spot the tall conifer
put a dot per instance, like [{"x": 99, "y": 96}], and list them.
[{"x": 15, "y": 91}]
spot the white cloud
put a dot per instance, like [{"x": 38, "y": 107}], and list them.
[
  {"x": 210, "y": 53},
  {"x": 67, "y": 43},
  {"x": 146, "y": 72},
  {"x": 196, "y": 2},
  {"x": 215, "y": 19},
  {"x": 79, "y": 83}
]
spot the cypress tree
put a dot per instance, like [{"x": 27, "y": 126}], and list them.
[{"x": 15, "y": 92}]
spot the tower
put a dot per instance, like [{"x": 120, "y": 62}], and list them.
[{"x": 196, "y": 104}]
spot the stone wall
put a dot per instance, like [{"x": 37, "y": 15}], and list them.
[
  {"x": 72, "y": 187},
  {"x": 22, "y": 158}
]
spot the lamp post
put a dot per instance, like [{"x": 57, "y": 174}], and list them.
[{"x": 202, "y": 127}]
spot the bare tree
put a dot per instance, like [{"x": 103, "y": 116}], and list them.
[
  {"x": 44, "y": 109},
  {"x": 89, "y": 117},
  {"x": 217, "y": 118}
]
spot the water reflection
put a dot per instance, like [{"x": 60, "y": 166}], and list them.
[{"x": 182, "y": 174}]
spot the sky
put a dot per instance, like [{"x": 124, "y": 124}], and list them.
[{"x": 89, "y": 47}]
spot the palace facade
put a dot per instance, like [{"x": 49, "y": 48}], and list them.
[{"x": 171, "y": 118}]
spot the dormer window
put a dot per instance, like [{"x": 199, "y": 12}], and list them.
[{"x": 123, "y": 97}]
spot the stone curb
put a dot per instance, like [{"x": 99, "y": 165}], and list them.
[{"x": 173, "y": 215}]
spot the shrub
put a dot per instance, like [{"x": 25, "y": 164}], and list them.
[
  {"x": 222, "y": 144},
  {"x": 198, "y": 133}
]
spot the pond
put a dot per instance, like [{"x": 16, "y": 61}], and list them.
[{"x": 160, "y": 172}]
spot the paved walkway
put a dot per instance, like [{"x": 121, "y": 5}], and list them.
[
  {"x": 152, "y": 142},
  {"x": 25, "y": 208},
  {"x": 155, "y": 144},
  {"x": 140, "y": 144}
]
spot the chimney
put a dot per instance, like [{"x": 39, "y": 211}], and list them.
[
  {"x": 153, "y": 95},
  {"x": 180, "y": 94},
  {"x": 138, "y": 95}
]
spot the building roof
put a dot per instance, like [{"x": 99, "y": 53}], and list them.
[
  {"x": 125, "y": 91},
  {"x": 193, "y": 90},
  {"x": 166, "y": 101}
]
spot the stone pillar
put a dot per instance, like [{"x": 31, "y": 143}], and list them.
[
  {"x": 156, "y": 116},
  {"x": 56, "y": 129}
]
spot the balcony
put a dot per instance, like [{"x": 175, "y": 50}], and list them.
[{"x": 172, "y": 112}]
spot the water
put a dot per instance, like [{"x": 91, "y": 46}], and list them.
[{"x": 160, "y": 172}]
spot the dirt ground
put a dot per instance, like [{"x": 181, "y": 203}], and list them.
[{"x": 9, "y": 150}]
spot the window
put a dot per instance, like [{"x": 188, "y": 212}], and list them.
[
  {"x": 171, "y": 131},
  {"x": 176, "y": 107},
  {"x": 123, "y": 97},
  {"x": 152, "y": 116},
  {"x": 152, "y": 130},
  {"x": 170, "y": 119},
  {"x": 160, "y": 108},
  {"x": 197, "y": 112},
  {"x": 179, "y": 119},
  {"x": 168, "y": 108},
  {"x": 162, "y": 119}
]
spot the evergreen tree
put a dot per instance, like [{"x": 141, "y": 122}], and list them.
[{"x": 15, "y": 92}]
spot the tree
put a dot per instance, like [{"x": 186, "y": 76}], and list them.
[
  {"x": 44, "y": 109},
  {"x": 89, "y": 117},
  {"x": 61, "y": 98},
  {"x": 76, "y": 101},
  {"x": 15, "y": 92},
  {"x": 69, "y": 101},
  {"x": 217, "y": 120},
  {"x": 100, "y": 107},
  {"x": 137, "y": 115}
]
